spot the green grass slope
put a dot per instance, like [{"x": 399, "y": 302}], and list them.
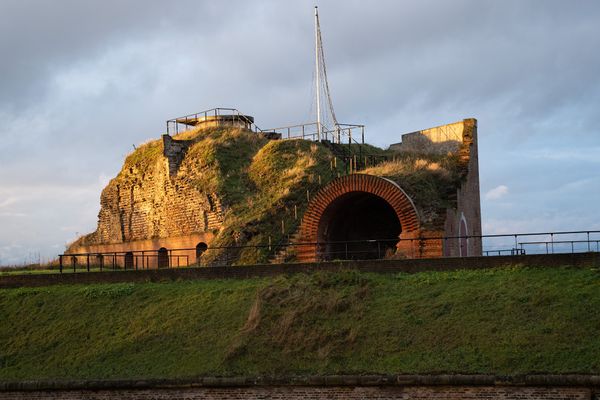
[{"x": 504, "y": 321}]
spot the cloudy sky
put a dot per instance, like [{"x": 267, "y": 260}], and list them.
[{"x": 81, "y": 82}]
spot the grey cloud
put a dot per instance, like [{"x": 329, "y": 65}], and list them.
[{"x": 81, "y": 82}]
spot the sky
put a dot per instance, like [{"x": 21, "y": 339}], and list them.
[{"x": 82, "y": 82}]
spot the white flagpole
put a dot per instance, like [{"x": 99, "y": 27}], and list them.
[{"x": 318, "y": 91}]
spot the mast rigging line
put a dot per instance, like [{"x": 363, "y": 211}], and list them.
[{"x": 321, "y": 71}]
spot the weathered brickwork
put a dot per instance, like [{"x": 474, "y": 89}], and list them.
[
  {"x": 381, "y": 187},
  {"x": 461, "y": 219},
  {"x": 150, "y": 201},
  {"x": 315, "y": 392},
  {"x": 466, "y": 218}
]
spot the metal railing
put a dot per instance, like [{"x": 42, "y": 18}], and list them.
[
  {"x": 309, "y": 131},
  {"x": 452, "y": 246},
  {"x": 189, "y": 121}
]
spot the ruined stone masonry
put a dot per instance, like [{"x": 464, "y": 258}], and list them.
[{"x": 163, "y": 198}]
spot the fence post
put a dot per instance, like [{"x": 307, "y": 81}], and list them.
[
  {"x": 588, "y": 241},
  {"x": 60, "y": 263},
  {"x": 88, "y": 263}
]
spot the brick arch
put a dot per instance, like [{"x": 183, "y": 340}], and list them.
[{"x": 384, "y": 188}]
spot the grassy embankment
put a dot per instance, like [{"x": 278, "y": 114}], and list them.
[{"x": 504, "y": 321}]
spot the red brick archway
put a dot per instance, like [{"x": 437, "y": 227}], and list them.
[{"x": 384, "y": 189}]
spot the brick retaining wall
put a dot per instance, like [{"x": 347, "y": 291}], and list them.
[
  {"x": 591, "y": 259},
  {"x": 315, "y": 393},
  {"x": 544, "y": 387}
]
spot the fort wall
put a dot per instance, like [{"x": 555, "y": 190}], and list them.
[{"x": 150, "y": 205}]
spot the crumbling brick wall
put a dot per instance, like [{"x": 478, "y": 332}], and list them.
[{"x": 152, "y": 201}]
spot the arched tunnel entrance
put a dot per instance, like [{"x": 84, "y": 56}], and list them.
[
  {"x": 358, "y": 225},
  {"x": 357, "y": 216}
]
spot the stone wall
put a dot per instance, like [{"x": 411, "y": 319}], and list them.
[
  {"x": 184, "y": 254},
  {"x": 150, "y": 201}
]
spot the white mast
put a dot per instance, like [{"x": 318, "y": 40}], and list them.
[{"x": 318, "y": 92}]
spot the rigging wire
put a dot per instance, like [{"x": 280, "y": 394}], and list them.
[{"x": 323, "y": 69}]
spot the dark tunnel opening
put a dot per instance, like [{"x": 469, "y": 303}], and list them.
[{"x": 358, "y": 226}]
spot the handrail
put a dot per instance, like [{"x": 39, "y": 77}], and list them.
[
  {"x": 216, "y": 112},
  {"x": 141, "y": 258}
]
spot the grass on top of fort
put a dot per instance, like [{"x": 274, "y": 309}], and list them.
[{"x": 504, "y": 321}]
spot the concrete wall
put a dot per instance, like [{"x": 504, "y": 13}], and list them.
[
  {"x": 174, "y": 151},
  {"x": 459, "y": 138},
  {"x": 439, "y": 140},
  {"x": 467, "y": 214}
]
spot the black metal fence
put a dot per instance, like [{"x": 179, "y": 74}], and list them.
[{"x": 205, "y": 256}]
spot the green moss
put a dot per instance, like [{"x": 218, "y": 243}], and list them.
[{"x": 503, "y": 321}]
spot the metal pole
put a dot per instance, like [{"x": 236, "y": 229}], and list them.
[
  {"x": 318, "y": 83},
  {"x": 588, "y": 241}
]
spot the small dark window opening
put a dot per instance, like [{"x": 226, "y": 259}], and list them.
[
  {"x": 129, "y": 260},
  {"x": 163, "y": 258},
  {"x": 200, "y": 249}
]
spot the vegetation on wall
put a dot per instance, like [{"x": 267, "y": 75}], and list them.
[
  {"x": 502, "y": 321},
  {"x": 430, "y": 180}
]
